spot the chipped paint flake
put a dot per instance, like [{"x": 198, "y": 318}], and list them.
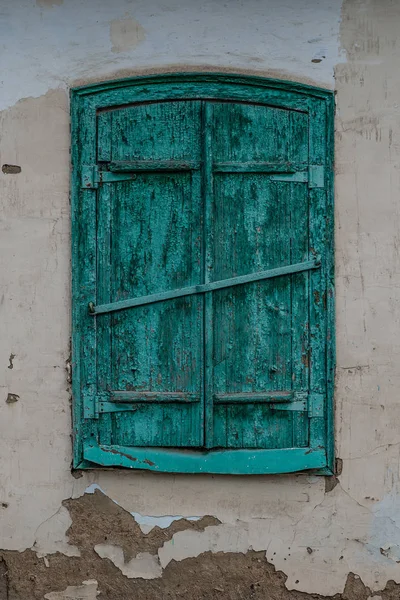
[
  {"x": 146, "y": 522},
  {"x": 143, "y": 565},
  {"x": 50, "y": 536},
  {"x": 222, "y": 538},
  {"x": 93, "y": 487},
  {"x": 87, "y": 591}
]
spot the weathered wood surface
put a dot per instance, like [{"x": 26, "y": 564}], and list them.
[{"x": 192, "y": 195}]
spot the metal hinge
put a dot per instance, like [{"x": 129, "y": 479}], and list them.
[
  {"x": 312, "y": 403},
  {"x": 298, "y": 403},
  {"x": 90, "y": 177},
  {"x": 95, "y": 403},
  {"x": 92, "y": 400},
  {"x": 316, "y": 405},
  {"x": 315, "y": 176}
]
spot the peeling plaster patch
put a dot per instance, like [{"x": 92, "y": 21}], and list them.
[
  {"x": 12, "y": 398},
  {"x": 143, "y": 565},
  {"x": 51, "y": 538},
  {"x": 93, "y": 487},
  {"x": 126, "y": 34},
  {"x": 147, "y": 523},
  {"x": 86, "y": 591},
  {"x": 222, "y": 538}
]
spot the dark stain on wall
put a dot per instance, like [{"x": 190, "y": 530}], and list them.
[
  {"x": 12, "y": 398},
  {"x": 11, "y": 169}
]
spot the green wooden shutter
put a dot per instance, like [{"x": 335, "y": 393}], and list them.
[
  {"x": 149, "y": 242},
  {"x": 259, "y": 332},
  {"x": 207, "y": 285}
]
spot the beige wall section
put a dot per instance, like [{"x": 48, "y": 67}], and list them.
[
  {"x": 53, "y": 43},
  {"x": 316, "y": 537}
]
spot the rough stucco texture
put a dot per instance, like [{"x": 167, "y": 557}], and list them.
[
  {"x": 314, "y": 533},
  {"x": 213, "y": 574},
  {"x": 65, "y": 41}
]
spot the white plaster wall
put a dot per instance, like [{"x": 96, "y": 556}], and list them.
[
  {"x": 47, "y": 43},
  {"x": 46, "y": 46}
]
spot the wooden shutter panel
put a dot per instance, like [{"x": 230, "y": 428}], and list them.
[
  {"x": 202, "y": 246},
  {"x": 259, "y": 332},
  {"x": 149, "y": 242}
]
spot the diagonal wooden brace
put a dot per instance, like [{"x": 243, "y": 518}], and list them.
[{"x": 203, "y": 288}]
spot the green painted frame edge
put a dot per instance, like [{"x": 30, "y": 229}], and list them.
[
  {"x": 203, "y": 77},
  {"x": 78, "y": 96},
  {"x": 330, "y": 258},
  {"x": 241, "y": 462}
]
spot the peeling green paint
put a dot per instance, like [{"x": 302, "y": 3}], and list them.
[{"x": 187, "y": 195}]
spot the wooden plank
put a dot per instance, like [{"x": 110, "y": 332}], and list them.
[
  {"x": 208, "y": 200},
  {"x": 239, "y": 88},
  {"x": 234, "y": 462},
  {"x": 104, "y": 136},
  {"x": 257, "y": 167},
  {"x": 253, "y": 325},
  {"x": 163, "y": 132},
  {"x": 319, "y": 236},
  {"x": 298, "y": 199},
  {"x": 104, "y": 208},
  {"x": 122, "y": 396},
  {"x": 252, "y": 397},
  {"x": 205, "y": 288},
  {"x": 156, "y": 247},
  {"x": 329, "y": 108},
  {"x": 152, "y": 165},
  {"x": 83, "y": 202}
]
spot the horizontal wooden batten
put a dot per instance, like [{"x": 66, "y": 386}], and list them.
[
  {"x": 153, "y": 165},
  {"x": 276, "y": 400},
  {"x": 203, "y": 288},
  {"x": 153, "y": 397},
  {"x": 93, "y": 175},
  {"x": 295, "y": 401},
  {"x": 257, "y": 167},
  {"x": 253, "y": 397}
]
